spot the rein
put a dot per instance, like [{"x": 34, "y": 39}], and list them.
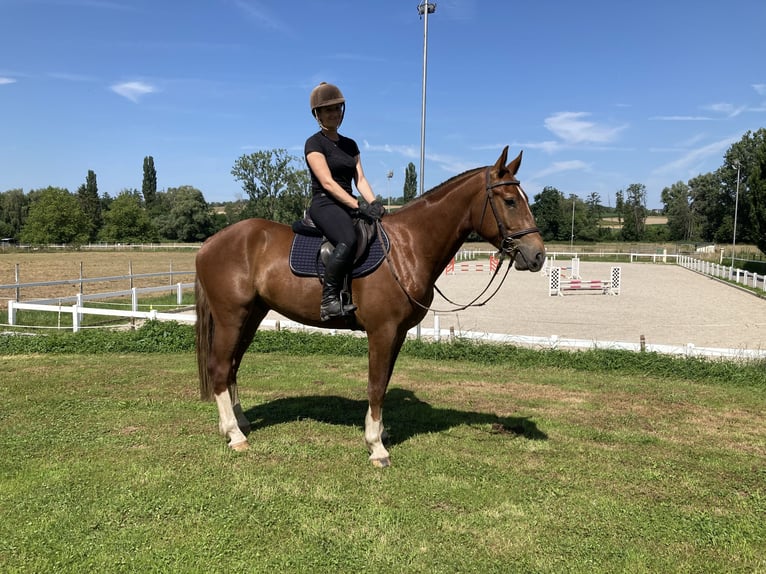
[{"x": 509, "y": 246}]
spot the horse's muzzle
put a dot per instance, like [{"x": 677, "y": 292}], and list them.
[{"x": 529, "y": 257}]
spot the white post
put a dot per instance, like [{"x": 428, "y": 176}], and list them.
[
  {"x": 79, "y": 305},
  {"x": 11, "y": 312},
  {"x": 133, "y": 299},
  {"x": 75, "y": 318},
  {"x": 437, "y": 332},
  {"x": 179, "y": 294}
]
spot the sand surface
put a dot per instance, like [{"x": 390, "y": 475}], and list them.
[{"x": 667, "y": 304}]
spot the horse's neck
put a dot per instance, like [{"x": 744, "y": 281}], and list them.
[{"x": 440, "y": 221}]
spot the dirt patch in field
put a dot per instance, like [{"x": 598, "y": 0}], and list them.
[{"x": 44, "y": 267}]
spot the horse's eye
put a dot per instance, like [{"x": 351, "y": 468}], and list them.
[{"x": 510, "y": 202}]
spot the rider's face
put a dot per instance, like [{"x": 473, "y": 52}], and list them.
[{"x": 330, "y": 116}]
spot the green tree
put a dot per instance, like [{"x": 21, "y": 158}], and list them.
[
  {"x": 548, "y": 209},
  {"x": 14, "y": 207},
  {"x": 149, "y": 185},
  {"x": 55, "y": 216},
  {"x": 744, "y": 154},
  {"x": 634, "y": 213},
  {"x": 127, "y": 220},
  {"x": 708, "y": 205},
  {"x": 756, "y": 184},
  {"x": 189, "y": 216},
  {"x": 590, "y": 218},
  {"x": 410, "y": 190},
  {"x": 87, "y": 195},
  {"x": 277, "y": 189},
  {"x": 679, "y": 209}
]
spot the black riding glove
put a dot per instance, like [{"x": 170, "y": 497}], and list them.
[{"x": 373, "y": 211}]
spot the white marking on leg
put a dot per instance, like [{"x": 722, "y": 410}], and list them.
[
  {"x": 244, "y": 424},
  {"x": 373, "y": 436},
  {"x": 227, "y": 421}
]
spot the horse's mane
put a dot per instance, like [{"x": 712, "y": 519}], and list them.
[{"x": 443, "y": 184}]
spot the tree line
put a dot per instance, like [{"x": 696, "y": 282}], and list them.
[
  {"x": 702, "y": 210},
  {"x": 277, "y": 187}
]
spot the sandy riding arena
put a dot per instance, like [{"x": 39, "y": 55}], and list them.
[{"x": 667, "y": 304}]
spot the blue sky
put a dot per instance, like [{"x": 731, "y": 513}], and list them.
[{"x": 599, "y": 95}]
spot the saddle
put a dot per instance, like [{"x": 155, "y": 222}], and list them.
[{"x": 310, "y": 249}]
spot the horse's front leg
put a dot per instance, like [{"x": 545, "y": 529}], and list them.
[
  {"x": 383, "y": 351},
  {"x": 374, "y": 433}
]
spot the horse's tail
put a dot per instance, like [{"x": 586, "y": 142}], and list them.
[{"x": 204, "y": 329}]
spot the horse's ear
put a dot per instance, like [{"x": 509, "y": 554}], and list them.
[
  {"x": 499, "y": 166},
  {"x": 514, "y": 166}
]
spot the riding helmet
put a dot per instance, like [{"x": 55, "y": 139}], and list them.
[{"x": 325, "y": 95}]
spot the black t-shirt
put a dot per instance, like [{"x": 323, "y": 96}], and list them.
[{"x": 340, "y": 156}]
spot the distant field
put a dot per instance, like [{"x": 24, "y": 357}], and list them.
[
  {"x": 35, "y": 267},
  {"x": 613, "y": 222}
]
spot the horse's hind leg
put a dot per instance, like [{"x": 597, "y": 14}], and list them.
[{"x": 246, "y": 338}]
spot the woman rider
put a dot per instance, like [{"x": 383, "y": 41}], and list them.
[{"x": 334, "y": 163}]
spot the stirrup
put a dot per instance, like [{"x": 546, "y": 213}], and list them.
[{"x": 335, "y": 308}]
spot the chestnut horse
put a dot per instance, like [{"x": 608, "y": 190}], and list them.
[{"x": 243, "y": 272}]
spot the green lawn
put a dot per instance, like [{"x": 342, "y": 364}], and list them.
[{"x": 110, "y": 463}]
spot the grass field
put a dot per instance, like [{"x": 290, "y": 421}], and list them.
[{"x": 111, "y": 464}]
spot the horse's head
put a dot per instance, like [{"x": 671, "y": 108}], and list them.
[{"x": 506, "y": 220}]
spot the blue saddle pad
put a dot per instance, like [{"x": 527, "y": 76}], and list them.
[{"x": 305, "y": 262}]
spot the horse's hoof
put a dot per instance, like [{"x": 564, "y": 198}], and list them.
[
  {"x": 240, "y": 446},
  {"x": 381, "y": 462}
]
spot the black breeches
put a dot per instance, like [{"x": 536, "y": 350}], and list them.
[{"x": 334, "y": 220}]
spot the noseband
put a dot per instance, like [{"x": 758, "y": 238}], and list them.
[{"x": 509, "y": 244}]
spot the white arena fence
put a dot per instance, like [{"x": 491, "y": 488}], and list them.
[
  {"x": 725, "y": 272},
  {"x": 76, "y": 305}
]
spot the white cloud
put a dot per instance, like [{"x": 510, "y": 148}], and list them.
[
  {"x": 5, "y": 81},
  {"x": 760, "y": 89},
  {"x": 681, "y": 118},
  {"x": 690, "y": 163},
  {"x": 574, "y": 129},
  {"x": 263, "y": 16},
  {"x": 406, "y": 151},
  {"x": 548, "y": 146},
  {"x": 561, "y": 166},
  {"x": 729, "y": 110},
  {"x": 133, "y": 90}
]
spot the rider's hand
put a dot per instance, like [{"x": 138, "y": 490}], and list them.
[{"x": 373, "y": 211}]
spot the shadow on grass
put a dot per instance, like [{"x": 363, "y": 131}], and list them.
[{"x": 405, "y": 416}]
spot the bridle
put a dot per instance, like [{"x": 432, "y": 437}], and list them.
[{"x": 509, "y": 247}]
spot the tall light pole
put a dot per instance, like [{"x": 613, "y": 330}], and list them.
[
  {"x": 389, "y": 175},
  {"x": 736, "y": 208},
  {"x": 571, "y": 239},
  {"x": 424, "y": 9}
]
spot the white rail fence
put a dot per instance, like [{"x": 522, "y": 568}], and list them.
[
  {"x": 718, "y": 271},
  {"x": 78, "y": 309},
  {"x": 76, "y": 306}
]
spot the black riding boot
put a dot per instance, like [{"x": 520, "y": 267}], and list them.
[{"x": 336, "y": 267}]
